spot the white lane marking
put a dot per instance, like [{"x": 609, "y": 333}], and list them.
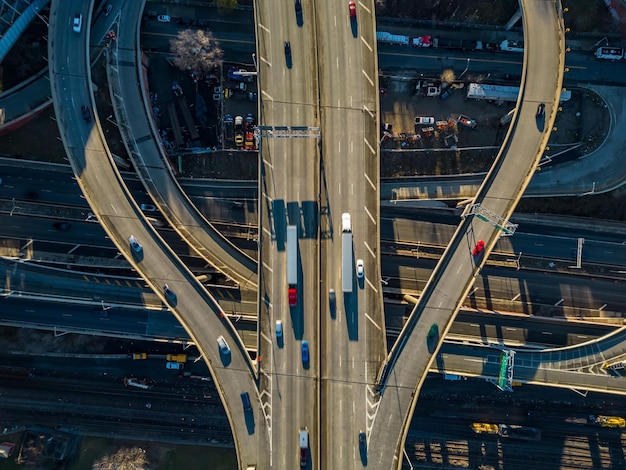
[
  {"x": 369, "y": 146},
  {"x": 370, "y": 182},
  {"x": 511, "y": 329},
  {"x": 368, "y": 77},
  {"x": 267, "y": 95},
  {"x": 367, "y": 110},
  {"x": 369, "y": 214},
  {"x": 367, "y": 44},
  {"x": 373, "y": 322}
]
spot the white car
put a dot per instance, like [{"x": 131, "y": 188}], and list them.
[
  {"x": 423, "y": 120},
  {"x": 279, "y": 329},
  {"x": 134, "y": 244},
  {"x": 78, "y": 23},
  {"x": 360, "y": 269},
  {"x": 164, "y": 18},
  {"x": 221, "y": 342}
]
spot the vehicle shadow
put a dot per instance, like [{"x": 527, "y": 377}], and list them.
[
  {"x": 541, "y": 122},
  {"x": 351, "y": 307},
  {"x": 226, "y": 358},
  {"x": 363, "y": 454},
  {"x": 250, "y": 425},
  {"x": 354, "y": 26}
]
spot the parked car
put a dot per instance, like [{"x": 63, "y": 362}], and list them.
[
  {"x": 466, "y": 121},
  {"x": 164, "y": 18},
  {"x": 77, "y": 24},
  {"x": 445, "y": 94},
  {"x": 174, "y": 365},
  {"x": 424, "y": 120}
]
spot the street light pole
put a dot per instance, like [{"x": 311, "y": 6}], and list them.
[{"x": 466, "y": 67}]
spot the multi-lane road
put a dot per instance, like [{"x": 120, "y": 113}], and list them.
[
  {"x": 334, "y": 89},
  {"x": 120, "y": 216},
  {"x": 288, "y": 195}
]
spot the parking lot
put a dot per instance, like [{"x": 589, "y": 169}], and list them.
[{"x": 460, "y": 135}]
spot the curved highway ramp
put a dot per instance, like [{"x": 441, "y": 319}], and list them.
[{"x": 414, "y": 352}]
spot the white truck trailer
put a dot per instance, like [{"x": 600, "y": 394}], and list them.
[{"x": 346, "y": 249}]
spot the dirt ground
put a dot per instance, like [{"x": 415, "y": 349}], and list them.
[{"x": 583, "y": 115}]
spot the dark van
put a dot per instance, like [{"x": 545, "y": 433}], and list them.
[{"x": 245, "y": 400}]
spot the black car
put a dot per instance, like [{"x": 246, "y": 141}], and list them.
[
  {"x": 288, "y": 61},
  {"x": 86, "y": 113},
  {"x": 362, "y": 440},
  {"x": 298, "y": 5},
  {"x": 169, "y": 292},
  {"x": 541, "y": 111},
  {"x": 62, "y": 226}
]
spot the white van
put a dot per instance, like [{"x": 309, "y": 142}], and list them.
[{"x": 346, "y": 224}]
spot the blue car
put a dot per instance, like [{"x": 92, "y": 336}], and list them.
[{"x": 305, "y": 351}]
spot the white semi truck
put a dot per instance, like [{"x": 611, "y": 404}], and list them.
[
  {"x": 346, "y": 257},
  {"x": 292, "y": 264}
]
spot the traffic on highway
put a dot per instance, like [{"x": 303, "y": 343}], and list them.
[{"x": 225, "y": 219}]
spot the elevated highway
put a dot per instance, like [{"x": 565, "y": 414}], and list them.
[
  {"x": 133, "y": 114},
  {"x": 414, "y": 352},
  {"x": 118, "y": 214},
  {"x": 288, "y": 195}
]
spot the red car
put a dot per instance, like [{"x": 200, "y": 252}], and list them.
[
  {"x": 478, "y": 249},
  {"x": 293, "y": 296},
  {"x": 352, "y": 8}
]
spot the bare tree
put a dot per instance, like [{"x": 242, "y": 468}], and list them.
[
  {"x": 196, "y": 51},
  {"x": 126, "y": 458}
]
